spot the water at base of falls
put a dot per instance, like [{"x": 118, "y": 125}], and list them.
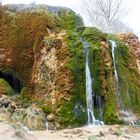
[
  {"x": 47, "y": 125},
  {"x": 91, "y": 118},
  {"x": 128, "y": 117}
]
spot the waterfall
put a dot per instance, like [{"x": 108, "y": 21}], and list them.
[
  {"x": 127, "y": 115},
  {"x": 47, "y": 125},
  {"x": 91, "y": 118},
  {"x": 114, "y": 46},
  {"x": 100, "y": 108}
]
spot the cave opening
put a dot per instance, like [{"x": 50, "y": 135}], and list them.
[{"x": 13, "y": 81}]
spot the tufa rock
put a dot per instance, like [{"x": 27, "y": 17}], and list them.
[
  {"x": 51, "y": 117},
  {"x": 35, "y": 117}
]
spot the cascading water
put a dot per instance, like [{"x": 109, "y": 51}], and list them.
[
  {"x": 114, "y": 46},
  {"x": 91, "y": 118},
  {"x": 47, "y": 125},
  {"x": 127, "y": 115},
  {"x": 99, "y": 105}
]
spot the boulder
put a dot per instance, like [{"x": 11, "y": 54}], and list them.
[
  {"x": 19, "y": 115},
  {"x": 6, "y": 104},
  {"x": 51, "y": 117},
  {"x": 35, "y": 118}
]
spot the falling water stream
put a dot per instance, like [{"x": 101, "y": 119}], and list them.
[
  {"x": 91, "y": 118},
  {"x": 47, "y": 125},
  {"x": 114, "y": 46},
  {"x": 127, "y": 115}
]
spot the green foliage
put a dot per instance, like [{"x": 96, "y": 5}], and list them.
[
  {"x": 96, "y": 66},
  {"x": 93, "y": 34},
  {"x": 5, "y": 88},
  {"x": 128, "y": 78},
  {"x": 24, "y": 97},
  {"x": 26, "y": 33},
  {"x": 68, "y": 20},
  {"x": 110, "y": 116},
  {"x": 46, "y": 108},
  {"x": 80, "y": 30},
  {"x": 101, "y": 75},
  {"x": 77, "y": 65},
  {"x": 68, "y": 116},
  {"x": 99, "y": 71}
]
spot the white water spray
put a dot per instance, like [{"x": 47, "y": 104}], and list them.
[
  {"x": 47, "y": 125},
  {"x": 91, "y": 118},
  {"x": 127, "y": 116},
  {"x": 114, "y": 46}
]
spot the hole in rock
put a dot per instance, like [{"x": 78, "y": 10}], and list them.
[
  {"x": 13, "y": 81},
  {"x": 98, "y": 101}
]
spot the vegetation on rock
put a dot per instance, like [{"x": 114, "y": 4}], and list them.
[
  {"x": 45, "y": 51},
  {"x": 5, "y": 88}
]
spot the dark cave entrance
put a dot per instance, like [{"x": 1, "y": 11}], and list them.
[{"x": 13, "y": 81}]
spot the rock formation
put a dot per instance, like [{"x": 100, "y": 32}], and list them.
[{"x": 42, "y": 68}]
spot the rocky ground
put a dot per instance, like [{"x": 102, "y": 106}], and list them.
[{"x": 9, "y": 132}]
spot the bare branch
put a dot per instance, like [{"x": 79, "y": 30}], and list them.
[{"x": 102, "y": 12}]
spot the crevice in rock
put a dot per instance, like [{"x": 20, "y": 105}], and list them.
[{"x": 13, "y": 81}]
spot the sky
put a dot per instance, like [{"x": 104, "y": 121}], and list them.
[{"x": 132, "y": 19}]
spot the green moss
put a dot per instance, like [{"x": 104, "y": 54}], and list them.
[
  {"x": 99, "y": 72},
  {"x": 102, "y": 76},
  {"x": 68, "y": 115},
  {"x": 128, "y": 78},
  {"x": 77, "y": 65},
  {"x": 68, "y": 20},
  {"x": 128, "y": 85},
  {"x": 110, "y": 116},
  {"x": 5, "y": 88},
  {"x": 72, "y": 116},
  {"x": 46, "y": 108},
  {"x": 93, "y": 34},
  {"x": 96, "y": 66},
  {"x": 24, "y": 98}
]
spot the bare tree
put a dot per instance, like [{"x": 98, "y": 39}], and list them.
[
  {"x": 104, "y": 13},
  {"x": 1, "y": 2}
]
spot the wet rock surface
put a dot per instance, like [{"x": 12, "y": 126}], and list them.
[{"x": 33, "y": 117}]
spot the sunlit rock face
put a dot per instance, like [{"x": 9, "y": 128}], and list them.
[
  {"x": 33, "y": 49},
  {"x": 133, "y": 43},
  {"x": 51, "y": 78},
  {"x": 108, "y": 64},
  {"x": 25, "y": 52}
]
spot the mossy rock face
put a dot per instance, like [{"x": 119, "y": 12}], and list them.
[
  {"x": 72, "y": 115},
  {"x": 99, "y": 72},
  {"x": 5, "y": 88},
  {"x": 49, "y": 56},
  {"x": 93, "y": 34},
  {"x": 68, "y": 20},
  {"x": 129, "y": 78}
]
